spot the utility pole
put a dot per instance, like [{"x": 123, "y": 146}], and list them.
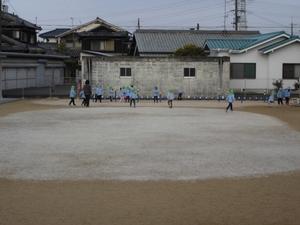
[
  {"x": 240, "y": 15},
  {"x": 225, "y": 13},
  {"x": 0, "y": 49},
  {"x": 292, "y": 27},
  {"x": 73, "y": 34},
  {"x": 236, "y": 16}
]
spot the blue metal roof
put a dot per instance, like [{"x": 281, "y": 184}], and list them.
[
  {"x": 242, "y": 43},
  {"x": 279, "y": 44},
  {"x": 264, "y": 37},
  {"x": 234, "y": 44}
]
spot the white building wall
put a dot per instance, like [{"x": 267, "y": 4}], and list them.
[
  {"x": 268, "y": 67},
  {"x": 262, "y": 80},
  {"x": 288, "y": 54}
]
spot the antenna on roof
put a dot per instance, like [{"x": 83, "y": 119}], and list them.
[
  {"x": 139, "y": 24},
  {"x": 72, "y": 21}
]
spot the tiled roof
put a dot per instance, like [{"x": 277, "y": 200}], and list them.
[
  {"x": 121, "y": 34},
  {"x": 98, "y": 21},
  {"x": 168, "y": 41},
  {"x": 53, "y": 33},
  {"x": 9, "y": 44},
  {"x": 11, "y": 20}
]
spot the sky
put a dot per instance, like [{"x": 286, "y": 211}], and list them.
[{"x": 263, "y": 15}]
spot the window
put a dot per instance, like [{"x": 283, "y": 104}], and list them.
[
  {"x": 242, "y": 71},
  {"x": 24, "y": 37},
  {"x": 291, "y": 71},
  {"x": 102, "y": 45},
  {"x": 125, "y": 72},
  {"x": 189, "y": 72},
  {"x": 16, "y": 34},
  {"x": 32, "y": 39}
]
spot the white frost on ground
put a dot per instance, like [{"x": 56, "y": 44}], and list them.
[{"x": 144, "y": 144}]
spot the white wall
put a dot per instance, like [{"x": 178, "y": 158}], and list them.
[
  {"x": 288, "y": 54},
  {"x": 262, "y": 80},
  {"x": 268, "y": 67}
]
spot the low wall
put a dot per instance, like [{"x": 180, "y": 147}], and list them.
[{"x": 211, "y": 74}]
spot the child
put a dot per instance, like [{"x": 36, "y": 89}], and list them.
[
  {"x": 155, "y": 94},
  {"x": 72, "y": 95},
  {"x": 132, "y": 96},
  {"x": 87, "y": 93},
  {"x": 82, "y": 96},
  {"x": 122, "y": 94},
  {"x": 170, "y": 97},
  {"x": 230, "y": 99},
  {"x": 271, "y": 98},
  {"x": 280, "y": 95},
  {"x": 287, "y": 95},
  {"x": 111, "y": 94},
  {"x": 98, "y": 93}
]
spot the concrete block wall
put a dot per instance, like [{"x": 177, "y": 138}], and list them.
[
  {"x": 30, "y": 73},
  {"x": 212, "y": 74}
]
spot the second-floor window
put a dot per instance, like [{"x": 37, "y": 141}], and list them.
[
  {"x": 16, "y": 34},
  {"x": 102, "y": 45}
]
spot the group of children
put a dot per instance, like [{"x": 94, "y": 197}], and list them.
[
  {"x": 126, "y": 94},
  {"x": 282, "y": 94},
  {"x": 130, "y": 94}
]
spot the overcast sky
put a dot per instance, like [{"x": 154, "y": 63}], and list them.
[{"x": 264, "y": 15}]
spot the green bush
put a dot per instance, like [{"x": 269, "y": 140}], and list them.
[{"x": 190, "y": 50}]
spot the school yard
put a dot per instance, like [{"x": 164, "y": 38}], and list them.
[{"x": 111, "y": 164}]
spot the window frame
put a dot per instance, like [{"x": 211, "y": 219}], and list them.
[
  {"x": 189, "y": 72},
  {"x": 284, "y": 71},
  {"x": 125, "y": 72},
  {"x": 248, "y": 73}
]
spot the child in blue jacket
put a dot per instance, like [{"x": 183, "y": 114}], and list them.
[{"x": 72, "y": 95}]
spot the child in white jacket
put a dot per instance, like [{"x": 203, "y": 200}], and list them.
[{"x": 170, "y": 97}]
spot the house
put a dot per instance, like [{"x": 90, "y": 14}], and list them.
[
  {"x": 96, "y": 36},
  {"x": 19, "y": 29},
  {"x": 24, "y": 64},
  {"x": 258, "y": 61},
  {"x": 51, "y": 36},
  {"x": 164, "y": 43}
]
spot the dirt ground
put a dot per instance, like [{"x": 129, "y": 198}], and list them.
[{"x": 271, "y": 200}]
